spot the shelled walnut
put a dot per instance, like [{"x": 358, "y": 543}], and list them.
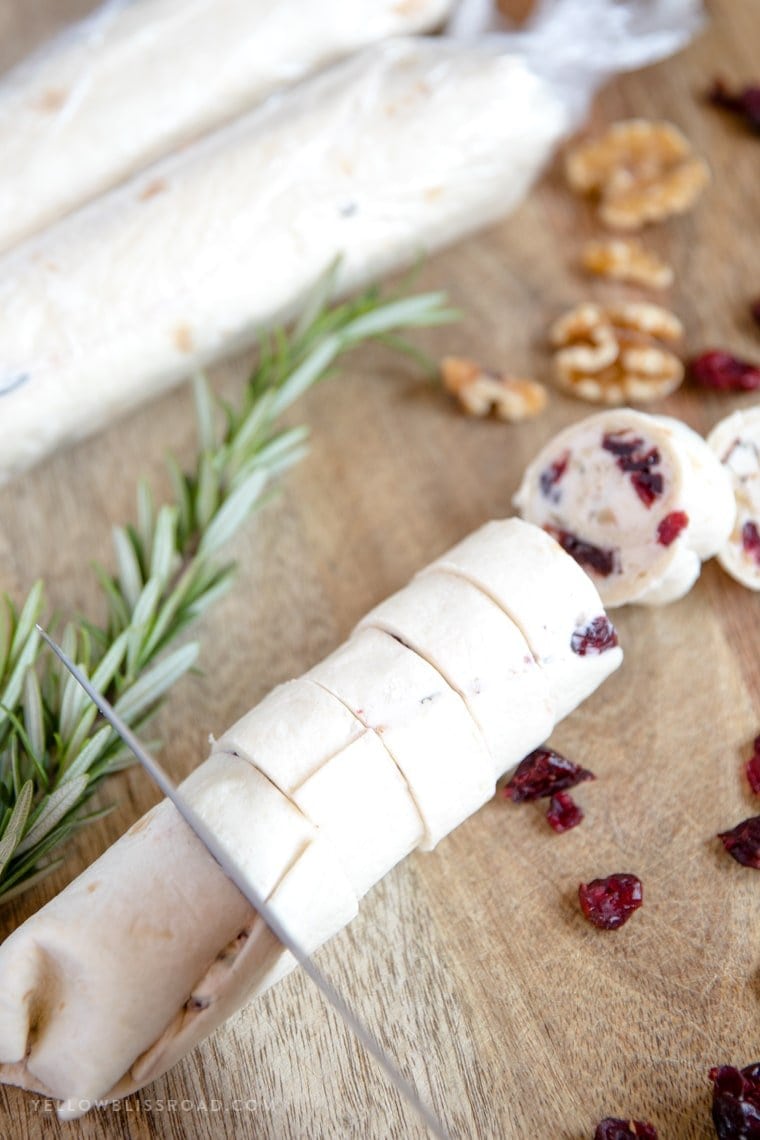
[
  {"x": 613, "y": 354},
  {"x": 481, "y": 391},
  {"x": 641, "y": 170},
  {"x": 626, "y": 259}
]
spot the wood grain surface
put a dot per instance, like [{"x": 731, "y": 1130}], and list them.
[{"x": 472, "y": 964}]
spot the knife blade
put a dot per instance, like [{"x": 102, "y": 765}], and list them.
[{"x": 236, "y": 875}]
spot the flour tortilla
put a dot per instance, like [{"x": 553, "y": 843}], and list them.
[
  {"x": 138, "y": 933},
  {"x": 424, "y": 724},
  {"x": 292, "y": 732},
  {"x": 139, "y": 80},
  {"x": 545, "y": 593},
  {"x": 481, "y": 653},
  {"x": 340, "y": 775},
  {"x": 361, "y": 804}
]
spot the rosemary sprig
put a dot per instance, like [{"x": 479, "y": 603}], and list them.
[{"x": 54, "y": 749}]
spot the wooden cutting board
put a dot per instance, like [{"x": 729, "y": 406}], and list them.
[{"x": 472, "y": 964}]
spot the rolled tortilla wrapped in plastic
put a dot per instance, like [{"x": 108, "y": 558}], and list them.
[
  {"x": 393, "y": 153},
  {"x": 151, "y": 948},
  {"x": 139, "y": 79}
]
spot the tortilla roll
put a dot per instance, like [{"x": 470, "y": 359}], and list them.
[
  {"x": 481, "y": 653},
  {"x": 424, "y": 724},
  {"x": 360, "y": 802},
  {"x": 145, "y": 937},
  {"x": 395, "y": 152},
  {"x": 292, "y": 732},
  {"x": 339, "y": 774},
  {"x": 143, "y": 955},
  {"x": 138, "y": 80},
  {"x": 550, "y": 599},
  {"x": 641, "y": 500}
]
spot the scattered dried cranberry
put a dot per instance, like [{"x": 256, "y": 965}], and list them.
[
  {"x": 671, "y": 526},
  {"x": 544, "y": 772},
  {"x": 736, "y": 1102},
  {"x": 632, "y": 459},
  {"x": 612, "y": 1129},
  {"x": 564, "y": 813},
  {"x": 596, "y": 637},
  {"x": 551, "y": 476},
  {"x": 751, "y": 540},
  {"x": 608, "y": 903},
  {"x": 724, "y": 372},
  {"x": 753, "y": 767},
  {"x": 744, "y": 102},
  {"x": 598, "y": 558},
  {"x": 743, "y": 842}
]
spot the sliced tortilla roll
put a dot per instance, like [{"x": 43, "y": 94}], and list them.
[
  {"x": 553, "y": 603},
  {"x": 152, "y": 947},
  {"x": 397, "y": 151},
  {"x": 308, "y": 898},
  {"x": 736, "y": 442},
  {"x": 421, "y": 720},
  {"x": 338, "y": 773},
  {"x": 481, "y": 653},
  {"x": 109, "y": 961},
  {"x": 639, "y": 500},
  {"x": 137, "y": 80},
  {"x": 292, "y": 732},
  {"x": 360, "y": 801}
]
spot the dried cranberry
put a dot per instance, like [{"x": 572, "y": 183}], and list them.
[
  {"x": 736, "y": 1102},
  {"x": 614, "y": 442},
  {"x": 564, "y": 813},
  {"x": 638, "y": 463},
  {"x": 551, "y": 476},
  {"x": 596, "y": 637},
  {"x": 753, "y": 767},
  {"x": 743, "y": 842},
  {"x": 751, "y": 540},
  {"x": 744, "y": 102},
  {"x": 612, "y": 1129},
  {"x": 648, "y": 486},
  {"x": 671, "y": 526},
  {"x": 543, "y": 773},
  {"x": 608, "y": 903},
  {"x": 754, "y": 309},
  {"x": 724, "y": 372},
  {"x": 600, "y": 559}
]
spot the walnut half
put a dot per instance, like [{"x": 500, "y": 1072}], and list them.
[
  {"x": 613, "y": 354},
  {"x": 480, "y": 391},
  {"x": 642, "y": 171},
  {"x": 626, "y": 259}
]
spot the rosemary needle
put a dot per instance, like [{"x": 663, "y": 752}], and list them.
[{"x": 54, "y": 749}]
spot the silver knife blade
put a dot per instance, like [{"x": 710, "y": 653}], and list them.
[{"x": 233, "y": 872}]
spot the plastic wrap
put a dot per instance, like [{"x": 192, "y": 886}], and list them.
[
  {"x": 141, "y": 78},
  {"x": 388, "y": 155}
]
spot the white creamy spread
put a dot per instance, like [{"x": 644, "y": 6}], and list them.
[{"x": 736, "y": 443}]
